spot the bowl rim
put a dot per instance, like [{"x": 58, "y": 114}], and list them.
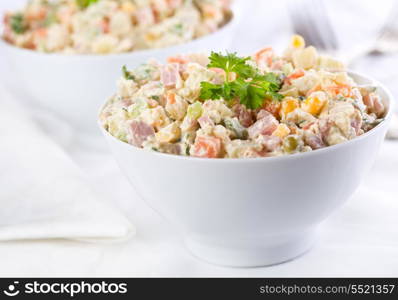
[
  {"x": 299, "y": 155},
  {"x": 233, "y": 20}
]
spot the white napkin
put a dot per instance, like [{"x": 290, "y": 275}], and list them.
[{"x": 43, "y": 194}]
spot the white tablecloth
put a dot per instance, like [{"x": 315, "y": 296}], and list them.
[{"x": 360, "y": 239}]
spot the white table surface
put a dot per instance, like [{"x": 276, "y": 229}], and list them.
[{"x": 360, "y": 239}]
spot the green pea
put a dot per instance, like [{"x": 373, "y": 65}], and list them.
[{"x": 290, "y": 144}]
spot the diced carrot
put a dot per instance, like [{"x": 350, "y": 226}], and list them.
[
  {"x": 173, "y": 4},
  {"x": 315, "y": 88},
  {"x": 41, "y": 32},
  {"x": 265, "y": 54},
  {"x": 105, "y": 25},
  {"x": 307, "y": 126},
  {"x": 206, "y": 146},
  {"x": 209, "y": 11},
  {"x": 296, "y": 74},
  {"x": 171, "y": 98},
  {"x": 273, "y": 107},
  {"x": 38, "y": 15},
  {"x": 343, "y": 89},
  {"x": 177, "y": 59}
]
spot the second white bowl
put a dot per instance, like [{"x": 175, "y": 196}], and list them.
[{"x": 73, "y": 86}]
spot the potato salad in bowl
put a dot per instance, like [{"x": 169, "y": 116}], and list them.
[
  {"x": 227, "y": 106},
  {"x": 112, "y": 26}
]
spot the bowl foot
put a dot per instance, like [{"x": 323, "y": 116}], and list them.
[{"x": 251, "y": 253}]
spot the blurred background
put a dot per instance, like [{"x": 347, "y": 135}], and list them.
[{"x": 362, "y": 240}]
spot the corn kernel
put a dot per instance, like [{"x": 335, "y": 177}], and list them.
[
  {"x": 289, "y": 104},
  {"x": 297, "y": 42},
  {"x": 314, "y": 103},
  {"x": 150, "y": 36},
  {"x": 281, "y": 131}
]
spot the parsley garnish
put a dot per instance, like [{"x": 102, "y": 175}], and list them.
[
  {"x": 18, "y": 24},
  {"x": 85, "y": 3},
  {"x": 249, "y": 86},
  {"x": 126, "y": 74}
]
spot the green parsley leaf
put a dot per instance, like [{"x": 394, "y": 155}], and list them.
[
  {"x": 231, "y": 63},
  {"x": 18, "y": 24},
  {"x": 126, "y": 74},
  {"x": 250, "y": 87},
  {"x": 85, "y": 3}
]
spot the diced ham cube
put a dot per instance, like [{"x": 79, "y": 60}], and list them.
[
  {"x": 265, "y": 125},
  {"x": 324, "y": 128},
  {"x": 314, "y": 141},
  {"x": 139, "y": 132},
  {"x": 244, "y": 116},
  {"x": 170, "y": 75},
  {"x": 205, "y": 121},
  {"x": 356, "y": 122},
  {"x": 270, "y": 142},
  {"x": 145, "y": 16},
  {"x": 220, "y": 76}
]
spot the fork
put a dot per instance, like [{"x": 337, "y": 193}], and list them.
[{"x": 310, "y": 20}]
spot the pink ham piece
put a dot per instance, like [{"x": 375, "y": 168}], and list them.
[
  {"x": 314, "y": 141},
  {"x": 139, "y": 132},
  {"x": 205, "y": 120},
  {"x": 324, "y": 128},
  {"x": 170, "y": 75},
  {"x": 263, "y": 114},
  {"x": 265, "y": 125},
  {"x": 244, "y": 116},
  {"x": 220, "y": 75},
  {"x": 356, "y": 123},
  {"x": 145, "y": 16},
  {"x": 270, "y": 143}
]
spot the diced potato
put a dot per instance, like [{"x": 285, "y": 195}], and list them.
[
  {"x": 176, "y": 106},
  {"x": 169, "y": 134},
  {"x": 305, "y": 58},
  {"x": 281, "y": 131},
  {"x": 217, "y": 110},
  {"x": 330, "y": 64},
  {"x": 120, "y": 24},
  {"x": 155, "y": 117}
]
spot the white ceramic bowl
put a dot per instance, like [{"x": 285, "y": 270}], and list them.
[
  {"x": 73, "y": 86},
  {"x": 255, "y": 211}
]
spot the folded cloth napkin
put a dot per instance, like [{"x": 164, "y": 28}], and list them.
[{"x": 43, "y": 194}]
